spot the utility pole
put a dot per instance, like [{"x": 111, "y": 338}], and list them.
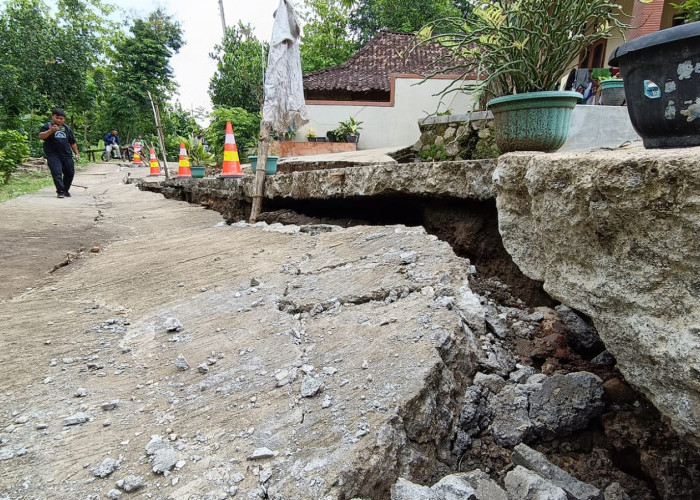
[{"x": 223, "y": 20}]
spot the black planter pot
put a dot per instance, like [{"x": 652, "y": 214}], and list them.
[{"x": 662, "y": 85}]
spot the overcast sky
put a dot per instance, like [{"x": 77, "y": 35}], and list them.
[{"x": 201, "y": 23}]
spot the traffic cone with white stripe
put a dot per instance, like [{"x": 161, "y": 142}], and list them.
[
  {"x": 183, "y": 164},
  {"x": 137, "y": 158},
  {"x": 232, "y": 164},
  {"x": 153, "y": 161}
]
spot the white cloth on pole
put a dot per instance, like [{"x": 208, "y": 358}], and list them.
[{"x": 284, "y": 106}]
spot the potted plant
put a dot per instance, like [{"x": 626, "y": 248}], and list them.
[
  {"x": 612, "y": 91},
  {"x": 517, "y": 51},
  {"x": 311, "y": 135},
  {"x": 199, "y": 157},
  {"x": 350, "y": 129},
  {"x": 661, "y": 85}
]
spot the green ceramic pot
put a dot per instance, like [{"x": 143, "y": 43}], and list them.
[
  {"x": 198, "y": 172},
  {"x": 533, "y": 121},
  {"x": 270, "y": 166}
]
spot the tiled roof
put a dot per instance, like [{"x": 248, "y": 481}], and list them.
[{"x": 371, "y": 67}]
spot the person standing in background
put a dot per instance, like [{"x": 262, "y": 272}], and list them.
[{"x": 58, "y": 142}]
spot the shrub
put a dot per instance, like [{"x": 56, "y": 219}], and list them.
[
  {"x": 13, "y": 151},
  {"x": 246, "y": 128}
]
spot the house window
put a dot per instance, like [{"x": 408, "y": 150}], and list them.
[{"x": 594, "y": 57}]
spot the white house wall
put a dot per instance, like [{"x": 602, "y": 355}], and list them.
[{"x": 389, "y": 126}]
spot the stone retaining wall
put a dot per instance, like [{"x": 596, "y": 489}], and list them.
[{"x": 457, "y": 137}]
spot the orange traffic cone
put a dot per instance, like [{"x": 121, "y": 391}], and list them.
[
  {"x": 183, "y": 163},
  {"x": 232, "y": 165},
  {"x": 155, "y": 168},
  {"x": 137, "y": 158}
]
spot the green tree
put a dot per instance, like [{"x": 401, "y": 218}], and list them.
[
  {"x": 371, "y": 16},
  {"x": 238, "y": 81},
  {"x": 141, "y": 61},
  {"x": 46, "y": 59},
  {"x": 326, "y": 40}
]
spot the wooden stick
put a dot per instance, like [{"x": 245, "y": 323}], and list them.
[
  {"x": 159, "y": 128},
  {"x": 259, "y": 187}
]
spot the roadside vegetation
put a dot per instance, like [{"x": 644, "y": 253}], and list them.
[{"x": 25, "y": 183}]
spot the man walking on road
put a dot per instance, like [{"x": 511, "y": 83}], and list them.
[{"x": 58, "y": 142}]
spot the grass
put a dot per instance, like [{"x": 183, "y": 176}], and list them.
[{"x": 26, "y": 183}]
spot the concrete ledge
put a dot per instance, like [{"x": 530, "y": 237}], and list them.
[
  {"x": 459, "y": 179},
  {"x": 465, "y": 117}
]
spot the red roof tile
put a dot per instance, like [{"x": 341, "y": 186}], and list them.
[{"x": 371, "y": 67}]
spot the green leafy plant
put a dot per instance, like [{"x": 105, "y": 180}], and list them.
[
  {"x": 601, "y": 74},
  {"x": 336, "y": 135},
  {"x": 516, "y": 46},
  {"x": 197, "y": 153},
  {"x": 13, "y": 151},
  {"x": 688, "y": 11},
  {"x": 349, "y": 127}
]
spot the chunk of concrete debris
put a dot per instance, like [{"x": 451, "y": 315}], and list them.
[
  {"x": 114, "y": 494},
  {"x": 537, "y": 462},
  {"x": 615, "y": 492},
  {"x": 566, "y": 403},
  {"x": 491, "y": 381},
  {"x": 585, "y": 336},
  {"x": 164, "y": 460},
  {"x": 261, "y": 453},
  {"x": 406, "y": 490},
  {"x": 285, "y": 377},
  {"x": 172, "y": 325},
  {"x": 107, "y": 466},
  {"x": 77, "y": 419},
  {"x": 163, "y": 457},
  {"x": 203, "y": 368},
  {"x": 111, "y": 405},
  {"x": 483, "y": 485},
  {"x": 452, "y": 487},
  {"x": 81, "y": 392},
  {"x": 181, "y": 363},
  {"x": 130, "y": 483},
  {"x": 310, "y": 385},
  {"x": 527, "y": 485}
]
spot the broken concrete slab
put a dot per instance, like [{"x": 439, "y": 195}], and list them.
[{"x": 538, "y": 463}]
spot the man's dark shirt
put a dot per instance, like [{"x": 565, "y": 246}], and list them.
[{"x": 58, "y": 143}]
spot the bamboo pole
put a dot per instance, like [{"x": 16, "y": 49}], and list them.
[
  {"x": 161, "y": 138},
  {"x": 259, "y": 187}
]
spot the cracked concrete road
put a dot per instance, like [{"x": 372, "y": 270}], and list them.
[{"x": 316, "y": 365}]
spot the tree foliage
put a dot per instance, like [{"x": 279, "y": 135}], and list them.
[
  {"x": 238, "y": 81},
  {"x": 141, "y": 65},
  {"x": 326, "y": 41},
  {"x": 371, "y": 16},
  {"x": 13, "y": 151},
  {"x": 246, "y": 127}
]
